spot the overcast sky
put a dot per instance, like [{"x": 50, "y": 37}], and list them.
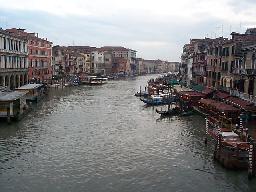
[{"x": 156, "y": 29}]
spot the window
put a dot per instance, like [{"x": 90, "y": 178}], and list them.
[{"x": 4, "y": 43}]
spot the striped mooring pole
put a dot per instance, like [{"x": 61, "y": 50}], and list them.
[
  {"x": 206, "y": 125},
  {"x": 218, "y": 138},
  {"x": 251, "y": 160},
  {"x": 241, "y": 123}
]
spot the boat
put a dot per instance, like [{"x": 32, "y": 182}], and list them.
[
  {"x": 141, "y": 94},
  {"x": 231, "y": 148},
  {"x": 170, "y": 112},
  {"x": 158, "y": 100},
  {"x": 94, "y": 80},
  {"x": 186, "y": 113},
  {"x": 231, "y": 151}
]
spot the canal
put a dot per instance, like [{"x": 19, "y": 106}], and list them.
[{"x": 104, "y": 139}]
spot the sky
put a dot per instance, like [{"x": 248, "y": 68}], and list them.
[{"x": 156, "y": 29}]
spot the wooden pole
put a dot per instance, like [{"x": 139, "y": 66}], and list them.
[
  {"x": 8, "y": 115},
  {"x": 251, "y": 160}
]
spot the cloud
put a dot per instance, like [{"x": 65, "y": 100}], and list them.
[{"x": 154, "y": 28}]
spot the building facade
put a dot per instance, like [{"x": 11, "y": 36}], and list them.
[
  {"x": 223, "y": 64},
  {"x": 13, "y": 60},
  {"x": 39, "y": 55}
]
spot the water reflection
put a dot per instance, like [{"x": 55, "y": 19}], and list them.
[{"x": 104, "y": 139}]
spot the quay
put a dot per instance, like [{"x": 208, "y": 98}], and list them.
[
  {"x": 34, "y": 92},
  {"x": 12, "y": 104}
]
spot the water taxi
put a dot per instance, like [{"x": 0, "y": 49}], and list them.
[
  {"x": 158, "y": 100},
  {"x": 94, "y": 80}
]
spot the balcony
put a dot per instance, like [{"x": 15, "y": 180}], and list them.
[
  {"x": 13, "y": 52},
  {"x": 226, "y": 89},
  {"x": 209, "y": 68},
  {"x": 251, "y": 72},
  {"x": 199, "y": 73},
  {"x": 13, "y": 70}
]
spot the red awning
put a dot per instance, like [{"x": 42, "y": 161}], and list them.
[
  {"x": 192, "y": 93},
  {"x": 239, "y": 102},
  {"x": 220, "y": 106},
  {"x": 207, "y": 91},
  {"x": 222, "y": 95}
]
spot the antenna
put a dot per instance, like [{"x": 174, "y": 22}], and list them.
[
  {"x": 222, "y": 30},
  {"x": 240, "y": 28},
  {"x": 217, "y": 30}
]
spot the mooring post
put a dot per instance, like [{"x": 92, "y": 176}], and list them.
[
  {"x": 8, "y": 115},
  {"x": 251, "y": 160},
  {"x": 206, "y": 130}
]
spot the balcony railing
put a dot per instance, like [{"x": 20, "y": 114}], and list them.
[
  {"x": 209, "y": 68},
  {"x": 222, "y": 88},
  {"x": 249, "y": 72},
  {"x": 13, "y": 70},
  {"x": 201, "y": 73},
  {"x": 13, "y": 52}
]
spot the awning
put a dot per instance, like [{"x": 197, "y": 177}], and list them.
[
  {"x": 242, "y": 104},
  {"x": 173, "y": 82},
  {"x": 191, "y": 93},
  {"x": 222, "y": 95},
  {"x": 207, "y": 91},
  {"x": 220, "y": 106}
]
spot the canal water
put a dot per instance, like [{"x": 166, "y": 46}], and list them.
[{"x": 103, "y": 138}]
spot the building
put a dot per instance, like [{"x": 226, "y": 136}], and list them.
[
  {"x": 72, "y": 60},
  {"x": 186, "y": 64},
  {"x": 97, "y": 62},
  {"x": 39, "y": 55},
  {"x": 123, "y": 59},
  {"x": 214, "y": 66},
  {"x": 166, "y": 66},
  {"x": 13, "y": 60}
]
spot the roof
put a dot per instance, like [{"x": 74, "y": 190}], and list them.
[
  {"x": 222, "y": 95},
  {"x": 192, "y": 93},
  {"x": 10, "y": 95},
  {"x": 3, "y": 32},
  {"x": 113, "y": 48},
  {"x": 220, "y": 106},
  {"x": 229, "y": 134},
  {"x": 207, "y": 91},
  {"x": 29, "y": 86},
  {"x": 23, "y": 34}
]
